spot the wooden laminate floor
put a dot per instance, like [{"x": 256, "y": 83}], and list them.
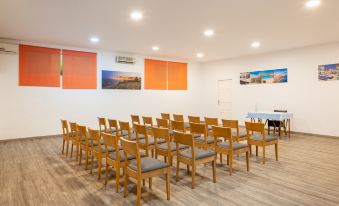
[{"x": 33, "y": 172}]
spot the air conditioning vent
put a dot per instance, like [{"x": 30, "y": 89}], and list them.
[
  {"x": 125, "y": 60},
  {"x": 8, "y": 49}
]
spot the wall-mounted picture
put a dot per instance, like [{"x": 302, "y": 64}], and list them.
[
  {"x": 264, "y": 77},
  {"x": 328, "y": 72},
  {"x": 121, "y": 80}
]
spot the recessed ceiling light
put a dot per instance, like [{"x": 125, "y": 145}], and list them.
[
  {"x": 313, "y": 3},
  {"x": 209, "y": 32},
  {"x": 155, "y": 48},
  {"x": 95, "y": 39},
  {"x": 255, "y": 44},
  {"x": 200, "y": 55},
  {"x": 136, "y": 15}
]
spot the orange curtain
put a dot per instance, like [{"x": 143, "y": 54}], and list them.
[
  {"x": 155, "y": 76},
  {"x": 177, "y": 76},
  {"x": 39, "y": 66},
  {"x": 79, "y": 70}
]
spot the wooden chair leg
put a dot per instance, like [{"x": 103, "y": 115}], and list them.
[
  {"x": 231, "y": 159},
  {"x": 177, "y": 171},
  {"x": 168, "y": 190},
  {"x": 193, "y": 175},
  {"x": 80, "y": 156},
  {"x": 188, "y": 169},
  {"x": 92, "y": 157},
  {"x": 214, "y": 172},
  {"x": 86, "y": 160},
  {"x": 125, "y": 183},
  {"x": 67, "y": 145},
  {"x": 117, "y": 178},
  {"x": 228, "y": 160},
  {"x": 106, "y": 173},
  {"x": 99, "y": 167},
  {"x": 143, "y": 182},
  {"x": 263, "y": 154},
  {"x": 220, "y": 158},
  {"x": 138, "y": 192},
  {"x": 247, "y": 161},
  {"x": 150, "y": 182},
  {"x": 77, "y": 152},
  {"x": 256, "y": 150},
  {"x": 63, "y": 146},
  {"x": 250, "y": 146},
  {"x": 72, "y": 150},
  {"x": 276, "y": 151},
  {"x": 165, "y": 159}
]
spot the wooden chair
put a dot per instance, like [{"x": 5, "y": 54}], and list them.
[
  {"x": 178, "y": 117},
  {"x": 125, "y": 130},
  {"x": 193, "y": 119},
  {"x": 238, "y": 135},
  {"x": 162, "y": 123},
  {"x": 178, "y": 125},
  {"x": 85, "y": 144},
  {"x": 144, "y": 141},
  {"x": 228, "y": 147},
  {"x": 148, "y": 122},
  {"x": 135, "y": 119},
  {"x": 166, "y": 116},
  {"x": 98, "y": 150},
  {"x": 142, "y": 168},
  {"x": 75, "y": 140},
  {"x": 114, "y": 159},
  {"x": 167, "y": 149},
  {"x": 113, "y": 126},
  {"x": 102, "y": 124},
  {"x": 202, "y": 140},
  {"x": 65, "y": 136},
  {"x": 259, "y": 139},
  {"x": 211, "y": 122},
  {"x": 192, "y": 156}
]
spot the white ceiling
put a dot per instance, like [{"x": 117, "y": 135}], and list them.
[{"x": 176, "y": 26}]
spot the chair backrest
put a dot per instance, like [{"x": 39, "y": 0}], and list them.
[
  {"x": 211, "y": 121},
  {"x": 65, "y": 130},
  {"x": 193, "y": 119},
  {"x": 124, "y": 126},
  {"x": 74, "y": 130},
  {"x": 161, "y": 133},
  {"x": 230, "y": 123},
  {"x": 162, "y": 123},
  {"x": 131, "y": 148},
  {"x": 113, "y": 126},
  {"x": 255, "y": 127},
  {"x": 82, "y": 134},
  {"x": 165, "y": 116},
  {"x": 147, "y": 121},
  {"x": 135, "y": 119},
  {"x": 178, "y": 125},
  {"x": 111, "y": 140},
  {"x": 224, "y": 132},
  {"x": 183, "y": 138},
  {"x": 102, "y": 124},
  {"x": 140, "y": 130},
  {"x": 178, "y": 117},
  {"x": 94, "y": 136},
  {"x": 198, "y": 128}
]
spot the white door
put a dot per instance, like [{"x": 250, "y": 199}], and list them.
[{"x": 225, "y": 98}]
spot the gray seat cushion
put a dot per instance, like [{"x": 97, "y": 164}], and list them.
[
  {"x": 173, "y": 146},
  {"x": 258, "y": 137},
  {"x": 113, "y": 156},
  {"x": 201, "y": 139},
  {"x": 235, "y": 145},
  {"x": 151, "y": 141},
  {"x": 242, "y": 133},
  {"x": 110, "y": 149},
  {"x": 147, "y": 164},
  {"x": 199, "y": 153},
  {"x": 95, "y": 143}
]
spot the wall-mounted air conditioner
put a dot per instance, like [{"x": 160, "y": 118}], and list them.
[
  {"x": 8, "y": 48},
  {"x": 124, "y": 60}
]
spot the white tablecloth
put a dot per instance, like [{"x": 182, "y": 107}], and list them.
[{"x": 279, "y": 116}]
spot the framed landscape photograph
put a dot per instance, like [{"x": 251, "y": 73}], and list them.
[
  {"x": 264, "y": 77},
  {"x": 121, "y": 80},
  {"x": 328, "y": 72}
]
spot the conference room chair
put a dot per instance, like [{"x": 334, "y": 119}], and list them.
[
  {"x": 142, "y": 168},
  {"x": 211, "y": 122},
  {"x": 259, "y": 139},
  {"x": 103, "y": 125},
  {"x": 125, "y": 131},
  {"x": 148, "y": 122},
  {"x": 193, "y": 119},
  {"x": 162, "y": 123},
  {"x": 135, "y": 119},
  {"x": 201, "y": 138},
  {"x": 113, "y": 126},
  {"x": 192, "y": 156},
  {"x": 178, "y": 117},
  {"x": 145, "y": 142},
  {"x": 65, "y": 136},
  {"x": 85, "y": 144},
  {"x": 97, "y": 149},
  {"x": 166, "y": 116},
  {"x": 168, "y": 148},
  {"x": 114, "y": 160},
  {"x": 75, "y": 140},
  {"x": 237, "y": 133},
  {"x": 228, "y": 147},
  {"x": 178, "y": 125}
]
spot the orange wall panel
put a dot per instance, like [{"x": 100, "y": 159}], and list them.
[
  {"x": 79, "y": 70},
  {"x": 177, "y": 76},
  {"x": 39, "y": 66},
  {"x": 155, "y": 76}
]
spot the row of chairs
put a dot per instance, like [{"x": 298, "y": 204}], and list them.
[{"x": 195, "y": 142}]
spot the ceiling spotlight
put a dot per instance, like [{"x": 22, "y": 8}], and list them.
[
  {"x": 313, "y": 3},
  {"x": 95, "y": 39},
  {"x": 209, "y": 32},
  {"x": 136, "y": 15},
  {"x": 155, "y": 48},
  {"x": 255, "y": 44},
  {"x": 200, "y": 55}
]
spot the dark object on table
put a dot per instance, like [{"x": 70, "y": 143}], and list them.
[{"x": 277, "y": 124}]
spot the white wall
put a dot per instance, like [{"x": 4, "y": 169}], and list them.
[
  {"x": 315, "y": 104},
  {"x": 36, "y": 111}
]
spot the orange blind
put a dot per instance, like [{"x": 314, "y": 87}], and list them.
[
  {"x": 177, "y": 76},
  {"x": 155, "y": 76},
  {"x": 79, "y": 70},
  {"x": 39, "y": 66}
]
